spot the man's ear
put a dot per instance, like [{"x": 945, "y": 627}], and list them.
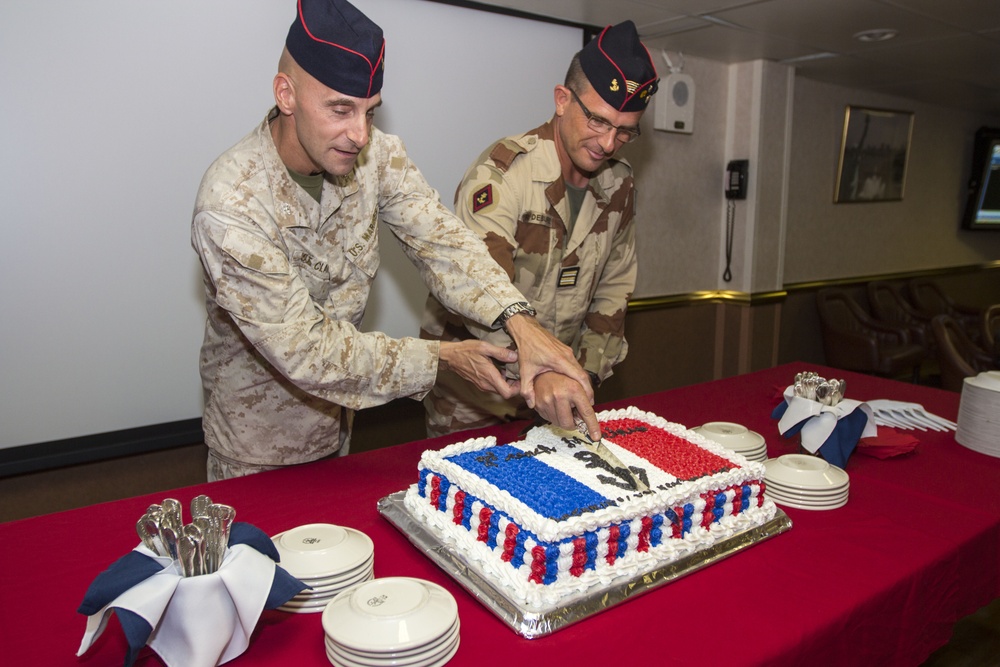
[
  {"x": 562, "y": 98},
  {"x": 284, "y": 93}
]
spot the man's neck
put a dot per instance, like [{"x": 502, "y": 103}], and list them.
[
  {"x": 289, "y": 149},
  {"x": 570, "y": 172}
]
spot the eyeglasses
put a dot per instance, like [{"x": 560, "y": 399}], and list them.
[{"x": 600, "y": 125}]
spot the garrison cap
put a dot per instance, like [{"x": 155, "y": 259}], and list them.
[
  {"x": 338, "y": 46},
  {"x": 620, "y": 68}
]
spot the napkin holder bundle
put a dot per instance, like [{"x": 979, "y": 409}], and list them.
[
  {"x": 832, "y": 431},
  {"x": 189, "y": 621}
]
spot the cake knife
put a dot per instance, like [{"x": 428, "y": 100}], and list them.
[{"x": 598, "y": 447}]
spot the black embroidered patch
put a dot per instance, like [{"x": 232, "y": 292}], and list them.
[
  {"x": 567, "y": 276},
  {"x": 482, "y": 198}
]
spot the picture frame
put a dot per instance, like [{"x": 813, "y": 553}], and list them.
[{"x": 874, "y": 154}]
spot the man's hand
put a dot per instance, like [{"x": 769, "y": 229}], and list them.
[
  {"x": 473, "y": 360},
  {"x": 559, "y": 400},
  {"x": 540, "y": 352}
]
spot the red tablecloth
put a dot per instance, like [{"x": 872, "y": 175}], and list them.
[{"x": 880, "y": 581}]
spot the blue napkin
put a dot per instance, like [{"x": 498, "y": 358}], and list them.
[
  {"x": 840, "y": 444},
  {"x": 135, "y": 567}
]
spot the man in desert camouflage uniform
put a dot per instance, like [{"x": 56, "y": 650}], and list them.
[
  {"x": 286, "y": 226},
  {"x": 555, "y": 208}
]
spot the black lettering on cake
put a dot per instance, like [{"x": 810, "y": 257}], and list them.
[
  {"x": 622, "y": 478},
  {"x": 530, "y": 453},
  {"x": 489, "y": 459}
]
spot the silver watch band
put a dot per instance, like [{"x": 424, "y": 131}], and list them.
[{"x": 510, "y": 311}]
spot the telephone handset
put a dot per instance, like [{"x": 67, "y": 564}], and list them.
[
  {"x": 736, "y": 179},
  {"x": 736, "y": 188}
]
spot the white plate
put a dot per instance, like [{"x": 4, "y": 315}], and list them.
[
  {"x": 318, "y": 550},
  {"x": 809, "y": 499},
  {"x": 802, "y": 471},
  {"x": 438, "y": 645},
  {"x": 302, "y": 610},
  {"x": 431, "y": 659},
  {"x": 805, "y": 506},
  {"x": 390, "y": 615},
  {"x": 731, "y": 436},
  {"x": 327, "y": 595},
  {"x": 339, "y": 582},
  {"x": 307, "y": 604},
  {"x": 777, "y": 487}
]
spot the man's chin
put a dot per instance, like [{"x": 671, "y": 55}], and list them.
[{"x": 341, "y": 167}]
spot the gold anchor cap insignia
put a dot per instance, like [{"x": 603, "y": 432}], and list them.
[{"x": 614, "y": 86}]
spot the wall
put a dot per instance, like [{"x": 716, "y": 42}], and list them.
[
  {"x": 826, "y": 240},
  {"x": 679, "y": 181}
]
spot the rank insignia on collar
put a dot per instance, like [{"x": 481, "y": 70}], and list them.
[
  {"x": 482, "y": 198},
  {"x": 567, "y": 276}
]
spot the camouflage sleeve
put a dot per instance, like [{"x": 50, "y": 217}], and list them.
[
  {"x": 452, "y": 261},
  {"x": 269, "y": 303},
  {"x": 602, "y": 343}
]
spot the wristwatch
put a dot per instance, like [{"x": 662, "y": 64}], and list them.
[
  {"x": 509, "y": 312},
  {"x": 595, "y": 380}
]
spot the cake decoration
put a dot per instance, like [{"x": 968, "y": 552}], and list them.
[{"x": 545, "y": 516}]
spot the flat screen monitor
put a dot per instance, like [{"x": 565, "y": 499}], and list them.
[{"x": 982, "y": 208}]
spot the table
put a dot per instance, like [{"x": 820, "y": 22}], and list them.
[{"x": 880, "y": 581}]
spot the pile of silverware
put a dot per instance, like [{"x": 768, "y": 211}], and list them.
[
  {"x": 815, "y": 388},
  {"x": 199, "y": 546}
]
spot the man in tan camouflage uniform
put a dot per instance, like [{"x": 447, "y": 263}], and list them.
[
  {"x": 555, "y": 208},
  {"x": 286, "y": 226}
]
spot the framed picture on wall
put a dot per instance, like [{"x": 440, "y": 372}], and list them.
[{"x": 874, "y": 151}]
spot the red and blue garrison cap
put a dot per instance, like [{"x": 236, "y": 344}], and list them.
[
  {"x": 620, "y": 68},
  {"x": 338, "y": 46}
]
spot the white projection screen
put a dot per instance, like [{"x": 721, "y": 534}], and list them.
[{"x": 111, "y": 113}]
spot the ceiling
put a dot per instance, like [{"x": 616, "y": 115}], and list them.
[{"x": 945, "y": 52}]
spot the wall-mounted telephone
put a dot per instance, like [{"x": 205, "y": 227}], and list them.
[{"x": 736, "y": 179}]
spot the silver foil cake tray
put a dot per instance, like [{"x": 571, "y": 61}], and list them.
[{"x": 534, "y": 622}]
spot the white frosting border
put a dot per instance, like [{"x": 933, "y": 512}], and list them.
[
  {"x": 639, "y": 505},
  {"x": 515, "y": 581}
]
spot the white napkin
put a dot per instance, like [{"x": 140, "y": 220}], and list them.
[
  {"x": 822, "y": 419},
  {"x": 197, "y": 621}
]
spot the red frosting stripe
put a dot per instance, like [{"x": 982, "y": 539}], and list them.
[{"x": 673, "y": 454}]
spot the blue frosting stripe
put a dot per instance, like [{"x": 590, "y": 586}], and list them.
[
  {"x": 443, "y": 487},
  {"x": 518, "y": 559},
  {"x": 656, "y": 533},
  {"x": 491, "y": 540},
  {"x": 624, "y": 530},
  {"x": 592, "y": 540},
  {"x": 517, "y": 472}
]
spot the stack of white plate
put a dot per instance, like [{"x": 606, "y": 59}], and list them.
[
  {"x": 979, "y": 413},
  {"x": 392, "y": 622},
  {"x": 327, "y": 558},
  {"x": 736, "y": 437},
  {"x": 806, "y": 482}
]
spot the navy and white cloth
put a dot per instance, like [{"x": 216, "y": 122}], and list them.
[
  {"x": 191, "y": 621},
  {"x": 833, "y": 431}
]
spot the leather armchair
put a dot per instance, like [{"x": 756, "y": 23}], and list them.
[
  {"x": 890, "y": 306},
  {"x": 991, "y": 332},
  {"x": 854, "y": 341},
  {"x": 958, "y": 356},
  {"x": 930, "y": 300}
]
